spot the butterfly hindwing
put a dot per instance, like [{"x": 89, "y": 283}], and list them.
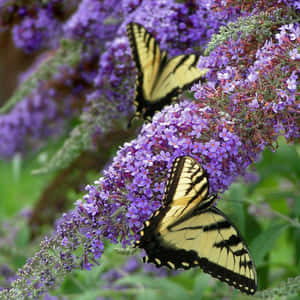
[
  {"x": 159, "y": 79},
  {"x": 185, "y": 233}
]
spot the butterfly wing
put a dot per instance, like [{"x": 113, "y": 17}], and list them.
[
  {"x": 206, "y": 238},
  {"x": 187, "y": 187},
  {"x": 148, "y": 60},
  {"x": 178, "y": 74},
  {"x": 188, "y": 231},
  {"x": 159, "y": 80}
]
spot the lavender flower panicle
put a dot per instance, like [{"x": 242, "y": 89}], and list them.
[
  {"x": 36, "y": 33},
  {"x": 94, "y": 22},
  {"x": 41, "y": 114}
]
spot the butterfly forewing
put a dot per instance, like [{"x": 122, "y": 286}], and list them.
[
  {"x": 147, "y": 57},
  {"x": 187, "y": 184}
]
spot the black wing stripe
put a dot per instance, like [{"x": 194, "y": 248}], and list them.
[
  {"x": 133, "y": 45},
  {"x": 181, "y": 62},
  {"x": 234, "y": 240},
  {"x": 217, "y": 226},
  {"x": 195, "y": 182},
  {"x": 147, "y": 38},
  {"x": 240, "y": 252},
  {"x": 195, "y": 197},
  {"x": 246, "y": 263},
  {"x": 155, "y": 85},
  {"x": 173, "y": 181}
]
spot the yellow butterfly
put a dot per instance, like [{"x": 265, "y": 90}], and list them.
[
  {"x": 189, "y": 231},
  {"x": 159, "y": 80}
]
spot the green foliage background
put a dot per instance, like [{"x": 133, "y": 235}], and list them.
[{"x": 266, "y": 212}]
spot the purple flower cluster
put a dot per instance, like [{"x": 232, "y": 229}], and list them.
[
  {"x": 177, "y": 26},
  {"x": 226, "y": 130},
  {"x": 42, "y": 113},
  {"x": 274, "y": 60},
  {"x": 95, "y": 22},
  {"x": 130, "y": 5},
  {"x": 132, "y": 187},
  {"x": 169, "y": 21},
  {"x": 115, "y": 74},
  {"x": 253, "y": 6},
  {"x": 34, "y": 33},
  {"x": 31, "y": 117},
  {"x": 140, "y": 167},
  {"x": 35, "y": 25}
]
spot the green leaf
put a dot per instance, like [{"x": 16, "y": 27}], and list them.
[
  {"x": 296, "y": 210},
  {"x": 147, "y": 294},
  {"x": 23, "y": 237},
  {"x": 253, "y": 228},
  {"x": 286, "y": 162},
  {"x": 200, "y": 286},
  {"x": 236, "y": 196},
  {"x": 165, "y": 289},
  {"x": 264, "y": 242}
]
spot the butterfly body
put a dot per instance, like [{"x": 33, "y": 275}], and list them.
[
  {"x": 189, "y": 231},
  {"x": 159, "y": 79}
]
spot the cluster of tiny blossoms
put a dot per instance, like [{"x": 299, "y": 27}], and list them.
[
  {"x": 43, "y": 113},
  {"x": 95, "y": 22},
  {"x": 132, "y": 187},
  {"x": 36, "y": 24},
  {"x": 169, "y": 22},
  {"x": 180, "y": 27},
  {"x": 175, "y": 25},
  {"x": 253, "y": 6},
  {"x": 219, "y": 136},
  {"x": 268, "y": 82},
  {"x": 33, "y": 116}
]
